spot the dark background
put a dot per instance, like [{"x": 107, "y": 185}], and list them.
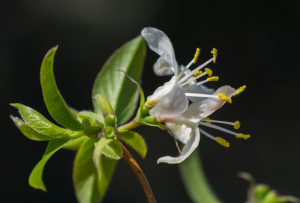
[{"x": 258, "y": 43}]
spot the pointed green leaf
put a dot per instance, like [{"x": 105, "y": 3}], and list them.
[
  {"x": 104, "y": 104},
  {"x": 35, "y": 178},
  {"x": 143, "y": 110},
  {"x": 120, "y": 92},
  {"x": 74, "y": 111},
  {"x": 88, "y": 188},
  {"x": 55, "y": 103},
  {"x": 40, "y": 124},
  {"x": 75, "y": 144},
  {"x": 113, "y": 150},
  {"x": 29, "y": 132},
  {"x": 134, "y": 140},
  {"x": 194, "y": 179},
  {"x": 99, "y": 147}
]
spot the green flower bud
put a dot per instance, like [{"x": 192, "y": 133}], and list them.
[
  {"x": 110, "y": 120},
  {"x": 108, "y": 132}
]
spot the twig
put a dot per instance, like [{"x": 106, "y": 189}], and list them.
[{"x": 139, "y": 173}]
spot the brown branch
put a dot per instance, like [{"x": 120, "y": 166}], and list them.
[{"x": 139, "y": 173}]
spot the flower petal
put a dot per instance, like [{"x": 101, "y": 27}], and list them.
[
  {"x": 161, "y": 91},
  {"x": 215, "y": 103},
  {"x": 173, "y": 104},
  {"x": 190, "y": 146},
  {"x": 161, "y": 44},
  {"x": 197, "y": 111},
  {"x": 162, "y": 67},
  {"x": 181, "y": 131}
]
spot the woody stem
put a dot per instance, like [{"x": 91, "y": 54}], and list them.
[{"x": 139, "y": 173}]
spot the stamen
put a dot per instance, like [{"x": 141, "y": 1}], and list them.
[
  {"x": 200, "y": 95},
  {"x": 207, "y": 134},
  {"x": 223, "y": 97},
  {"x": 207, "y": 121},
  {"x": 214, "y": 78},
  {"x": 195, "y": 70},
  {"x": 218, "y": 128},
  {"x": 189, "y": 65},
  {"x": 197, "y": 76},
  {"x": 218, "y": 139},
  {"x": 197, "y": 73},
  {"x": 196, "y": 55},
  {"x": 202, "y": 82},
  {"x": 223, "y": 142},
  {"x": 208, "y": 71},
  {"x": 238, "y": 91},
  {"x": 214, "y": 52},
  {"x": 237, "y": 125},
  {"x": 242, "y": 136}
]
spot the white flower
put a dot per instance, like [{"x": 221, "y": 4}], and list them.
[
  {"x": 185, "y": 126},
  {"x": 183, "y": 78},
  {"x": 170, "y": 101}
]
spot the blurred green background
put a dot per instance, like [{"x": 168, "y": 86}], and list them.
[{"x": 258, "y": 44}]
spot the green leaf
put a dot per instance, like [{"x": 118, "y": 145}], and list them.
[
  {"x": 55, "y": 103},
  {"x": 134, "y": 140},
  {"x": 143, "y": 110},
  {"x": 113, "y": 150},
  {"x": 120, "y": 92},
  {"x": 74, "y": 111},
  {"x": 194, "y": 180},
  {"x": 104, "y": 104},
  {"x": 40, "y": 124},
  {"x": 98, "y": 117},
  {"x": 99, "y": 147},
  {"x": 35, "y": 178},
  {"x": 75, "y": 144},
  {"x": 88, "y": 187},
  {"x": 29, "y": 132}
]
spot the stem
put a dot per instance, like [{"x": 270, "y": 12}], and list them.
[
  {"x": 139, "y": 173},
  {"x": 128, "y": 126}
]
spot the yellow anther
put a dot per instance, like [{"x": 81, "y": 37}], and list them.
[
  {"x": 208, "y": 121},
  {"x": 215, "y": 53},
  {"x": 208, "y": 71},
  {"x": 197, "y": 73},
  {"x": 242, "y": 136},
  {"x": 238, "y": 91},
  {"x": 223, "y": 142},
  {"x": 196, "y": 55},
  {"x": 223, "y": 97},
  {"x": 215, "y": 78},
  {"x": 237, "y": 125}
]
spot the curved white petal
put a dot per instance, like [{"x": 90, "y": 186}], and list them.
[
  {"x": 195, "y": 112},
  {"x": 190, "y": 146},
  {"x": 161, "y": 67},
  {"x": 215, "y": 103},
  {"x": 161, "y": 91},
  {"x": 181, "y": 131},
  {"x": 173, "y": 104},
  {"x": 159, "y": 42},
  {"x": 200, "y": 89}
]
